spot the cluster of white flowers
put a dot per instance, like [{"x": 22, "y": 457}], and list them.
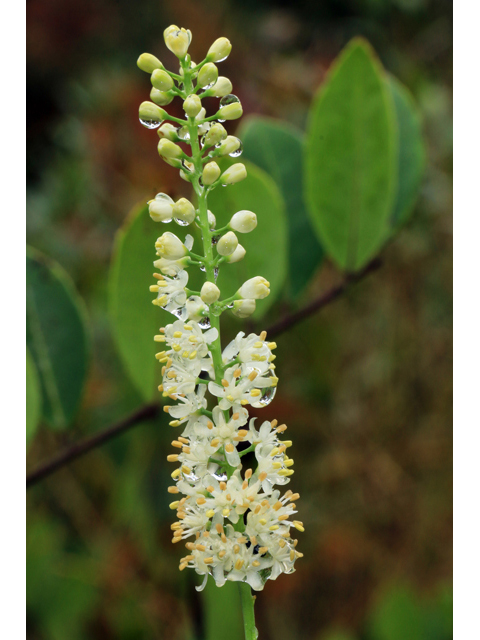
[{"x": 236, "y": 524}]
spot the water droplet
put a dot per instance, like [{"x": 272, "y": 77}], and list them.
[
  {"x": 191, "y": 478},
  {"x": 230, "y": 99},
  {"x": 163, "y": 196},
  {"x": 230, "y": 306},
  {"x": 188, "y": 166},
  {"x": 215, "y": 239},
  {"x": 221, "y": 476},
  {"x": 237, "y": 152},
  {"x": 219, "y": 120},
  {"x": 215, "y": 273},
  {"x": 150, "y": 124},
  {"x": 204, "y": 323},
  {"x": 202, "y": 268},
  {"x": 182, "y": 223},
  {"x": 183, "y": 133},
  {"x": 268, "y": 394},
  {"x": 178, "y": 312}
]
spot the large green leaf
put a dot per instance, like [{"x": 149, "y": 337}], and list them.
[
  {"x": 134, "y": 319},
  {"x": 266, "y": 246},
  {"x": 410, "y": 152},
  {"x": 351, "y": 154},
  {"x": 33, "y": 398},
  {"x": 277, "y": 148},
  {"x": 57, "y": 337}
]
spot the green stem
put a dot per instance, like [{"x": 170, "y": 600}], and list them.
[{"x": 248, "y": 600}]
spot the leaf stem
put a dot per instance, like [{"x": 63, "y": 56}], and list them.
[{"x": 248, "y": 601}]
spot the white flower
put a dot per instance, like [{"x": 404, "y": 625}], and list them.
[
  {"x": 239, "y": 386},
  {"x": 177, "y": 40},
  {"x": 252, "y": 351},
  {"x": 173, "y": 267},
  {"x": 171, "y": 292}
]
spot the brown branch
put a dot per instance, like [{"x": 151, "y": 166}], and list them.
[
  {"x": 328, "y": 297},
  {"x": 146, "y": 412},
  {"x": 149, "y": 411}
]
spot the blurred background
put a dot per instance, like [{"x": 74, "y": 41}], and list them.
[{"x": 368, "y": 399}]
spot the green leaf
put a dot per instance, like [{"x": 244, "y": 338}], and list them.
[
  {"x": 350, "y": 158},
  {"x": 134, "y": 319},
  {"x": 410, "y": 152},
  {"x": 266, "y": 246},
  {"x": 57, "y": 337},
  {"x": 277, "y": 148},
  {"x": 33, "y": 398}
]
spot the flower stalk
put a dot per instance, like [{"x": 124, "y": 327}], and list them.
[{"x": 235, "y": 524}]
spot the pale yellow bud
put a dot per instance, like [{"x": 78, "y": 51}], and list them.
[
  {"x": 227, "y": 244},
  {"x": 184, "y": 210},
  {"x": 219, "y": 50},
  {"x": 215, "y": 134},
  {"x": 168, "y": 131},
  {"x": 211, "y": 173},
  {"x": 169, "y": 149},
  {"x": 230, "y": 111},
  {"x": 170, "y": 247},
  {"x": 177, "y": 40},
  {"x": 148, "y": 63},
  {"x": 222, "y": 87},
  {"x": 161, "y": 80},
  {"x": 237, "y": 255},
  {"x": 235, "y": 173},
  {"x": 196, "y": 308},
  {"x": 192, "y": 106},
  {"x": 256, "y": 287},
  {"x": 210, "y": 292},
  {"x": 243, "y": 221},
  {"x": 207, "y": 75},
  {"x": 149, "y": 112},
  {"x": 244, "y": 308},
  {"x": 230, "y": 145},
  {"x": 160, "y": 97}
]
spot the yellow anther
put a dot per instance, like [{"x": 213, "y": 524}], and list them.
[
  {"x": 193, "y": 355},
  {"x": 252, "y": 375},
  {"x": 298, "y": 525},
  {"x": 281, "y": 543},
  {"x": 210, "y": 513},
  {"x": 237, "y": 373},
  {"x": 230, "y": 397},
  {"x": 226, "y": 512},
  {"x": 263, "y": 335},
  {"x": 185, "y": 354},
  {"x": 221, "y": 553},
  {"x": 153, "y": 288},
  {"x": 177, "y": 444},
  {"x": 248, "y": 474},
  {"x": 159, "y": 338},
  {"x": 236, "y": 548},
  {"x": 274, "y": 452},
  {"x": 176, "y": 473},
  {"x": 273, "y": 381},
  {"x": 176, "y": 347},
  {"x": 236, "y": 416},
  {"x": 262, "y": 550},
  {"x": 239, "y": 564},
  {"x": 208, "y": 560},
  {"x": 274, "y": 527},
  {"x": 277, "y": 465},
  {"x": 223, "y": 486},
  {"x": 174, "y": 505},
  {"x": 187, "y": 327},
  {"x": 172, "y": 457},
  {"x": 292, "y": 555},
  {"x": 258, "y": 345},
  {"x": 284, "y": 517},
  {"x": 215, "y": 442},
  {"x": 289, "y": 463},
  {"x": 225, "y": 383},
  {"x": 201, "y": 500},
  {"x": 174, "y": 423},
  {"x": 177, "y": 334},
  {"x": 229, "y": 448},
  {"x": 262, "y": 521},
  {"x": 157, "y": 276},
  {"x": 200, "y": 547},
  {"x": 186, "y": 470},
  {"x": 255, "y": 393},
  {"x": 255, "y": 563},
  {"x": 173, "y": 489},
  {"x": 210, "y": 424},
  {"x": 271, "y": 358},
  {"x": 243, "y": 401},
  {"x": 263, "y": 476}
]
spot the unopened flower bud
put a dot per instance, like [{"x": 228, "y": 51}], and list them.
[
  {"x": 160, "y": 97},
  {"x": 196, "y": 308},
  {"x": 222, "y": 87},
  {"x": 243, "y": 221},
  {"x": 161, "y": 208},
  {"x": 207, "y": 75},
  {"x": 168, "y": 131},
  {"x": 244, "y": 308},
  {"x": 192, "y": 105},
  {"x": 256, "y": 287},
  {"x": 212, "y": 221},
  {"x": 150, "y": 112},
  {"x": 234, "y": 174},
  {"x": 211, "y": 173},
  {"x": 184, "y": 210},
  {"x": 229, "y": 145},
  {"x": 230, "y": 111},
  {"x": 177, "y": 40},
  {"x": 219, "y": 50},
  {"x": 148, "y": 63},
  {"x": 170, "y": 247},
  {"x": 169, "y": 149},
  {"x": 237, "y": 255},
  {"x": 161, "y": 80},
  {"x": 227, "y": 244},
  {"x": 215, "y": 134},
  {"x": 209, "y": 292}
]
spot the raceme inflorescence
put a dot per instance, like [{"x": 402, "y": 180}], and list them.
[{"x": 235, "y": 523}]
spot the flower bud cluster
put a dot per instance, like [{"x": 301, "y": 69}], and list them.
[{"x": 235, "y": 522}]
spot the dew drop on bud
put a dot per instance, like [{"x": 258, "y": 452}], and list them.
[
  {"x": 204, "y": 323},
  {"x": 237, "y": 152},
  {"x": 230, "y": 99},
  {"x": 150, "y": 124},
  {"x": 268, "y": 394},
  {"x": 183, "y": 133}
]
